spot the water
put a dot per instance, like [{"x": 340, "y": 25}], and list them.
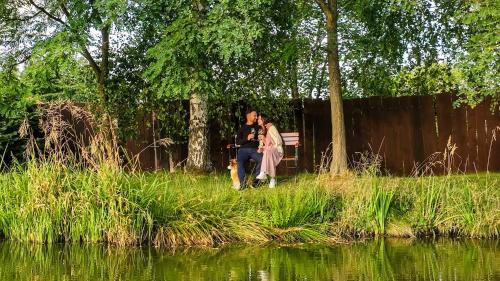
[{"x": 372, "y": 260}]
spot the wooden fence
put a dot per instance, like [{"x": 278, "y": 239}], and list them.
[{"x": 406, "y": 132}]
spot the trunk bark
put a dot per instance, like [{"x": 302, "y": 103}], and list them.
[
  {"x": 294, "y": 85},
  {"x": 319, "y": 85},
  {"x": 198, "y": 149},
  {"x": 339, "y": 151},
  {"x": 104, "y": 68},
  {"x": 314, "y": 69}
]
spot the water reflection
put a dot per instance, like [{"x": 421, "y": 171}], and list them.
[{"x": 373, "y": 260}]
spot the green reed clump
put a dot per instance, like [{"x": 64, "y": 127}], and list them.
[
  {"x": 428, "y": 209},
  {"x": 475, "y": 207},
  {"x": 301, "y": 215},
  {"x": 456, "y": 205},
  {"x": 47, "y": 202},
  {"x": 60, "y": 195},
  {"x": 201, "y": 211},
  {"x": 380, "y": 204}
]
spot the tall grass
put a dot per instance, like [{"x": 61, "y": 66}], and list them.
[
  {"x": 427, "y": 209},
  {"x": 80, "y": 191},
  {"x": 45, "y": 203}
]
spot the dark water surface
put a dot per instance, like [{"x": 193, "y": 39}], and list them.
[{"x": 371, "y": 260}]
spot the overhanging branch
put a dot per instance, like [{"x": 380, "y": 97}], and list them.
[
  {"x": 43, "y": 10},
  {"x": 85, "y": 52}
]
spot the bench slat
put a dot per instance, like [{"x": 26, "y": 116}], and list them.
[
  {"x": 290, "y": 139},
  {"x": 292, "y": 134}
]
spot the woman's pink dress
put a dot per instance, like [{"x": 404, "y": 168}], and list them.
[{"x": 271, "y": 157}]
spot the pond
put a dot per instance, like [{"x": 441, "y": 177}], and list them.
[{"x": 369, "y": 260}]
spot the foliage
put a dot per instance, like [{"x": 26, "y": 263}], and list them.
[
  {"x": 53, "y": 72},
  {"x": 433, "y": 79},
  {"x": 260, "y": 53},
  {"x": 64, "y": 51},
  {"x": 15, "y": 107},
  {"x": 477, "y": 68},
  {"x": 209, "y": 54}
]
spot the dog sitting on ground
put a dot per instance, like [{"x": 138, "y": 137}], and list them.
[{"x": 233, "y": 167}]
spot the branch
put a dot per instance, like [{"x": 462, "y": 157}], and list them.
[
  {"x": 25, "y": 59},
  {"x": 43, "y": 10},
  {"x": 324, "y": 6},
  {"x": 21, "y": 57},
  {"x": 65, "y": 10},
  {"x": 85, "y": 52},
  {"x": 26, "y": 18},
  {"x": 104, "y": 51}
]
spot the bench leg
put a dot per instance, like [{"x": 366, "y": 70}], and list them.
[{"x": 296, "y": 173}]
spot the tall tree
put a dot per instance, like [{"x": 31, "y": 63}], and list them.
[
  {"x": 339, "y": 150},
  {"x": 205, "y": 36},
  {"x": 87, "y": 25},
  {"x": 198, "y": 146}
]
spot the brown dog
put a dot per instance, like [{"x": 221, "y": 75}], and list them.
[{"x": 233, "y": 166}]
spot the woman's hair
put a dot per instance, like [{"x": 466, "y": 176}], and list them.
[{"x": 265, "y": 119}]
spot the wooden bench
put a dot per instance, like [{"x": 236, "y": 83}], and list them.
[{"x": 291, "y": 143}]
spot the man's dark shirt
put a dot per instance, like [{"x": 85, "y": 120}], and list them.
[{"x": 242, "y": 137}]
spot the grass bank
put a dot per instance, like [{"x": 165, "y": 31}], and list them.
[{"x": 46, "y": 202}]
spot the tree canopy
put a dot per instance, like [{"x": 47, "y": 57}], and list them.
[{"x": 146, "y": 55}]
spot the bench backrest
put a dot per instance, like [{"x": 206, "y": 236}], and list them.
[{"x": 290, "y": 138}]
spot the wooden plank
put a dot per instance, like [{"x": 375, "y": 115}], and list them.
[
  {"x": 292, "y": 134},
  {"x": 291, "y": 139}
]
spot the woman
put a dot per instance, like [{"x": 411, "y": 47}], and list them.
[{"x": 272, "y": 149}]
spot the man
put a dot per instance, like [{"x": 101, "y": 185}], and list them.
[{"x": 248, "y": 142}]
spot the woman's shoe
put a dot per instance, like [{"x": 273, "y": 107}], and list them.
[
  {"x": 272, "y": 183},
  {"x": 262, "y": 176}
]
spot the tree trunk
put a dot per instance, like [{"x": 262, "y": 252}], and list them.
[
  {"x": 314, "y": 70},
  {"x": 294, "y": 85},
  {"x": 104, "y": 68},
  {"x": 339, "y": 151},
  {"x": 198, "y": 149},
  {"x": 319, "y": 84}
]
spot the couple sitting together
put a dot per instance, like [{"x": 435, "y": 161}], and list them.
[{"x": 258, "y": 139}]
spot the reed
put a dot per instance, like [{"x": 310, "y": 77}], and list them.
[
  {"x": 380, "y": 204},
  {"x": 90, "y": 196},
  {"x": 428, "y": 213},
  {"x": 45, "y": 203}
]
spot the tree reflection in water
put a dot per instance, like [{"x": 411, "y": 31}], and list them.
[{"x": 370, "y": 260}]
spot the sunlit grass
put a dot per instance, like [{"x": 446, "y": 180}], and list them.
[
  {"x": 47, "y": 203},
  {"x": 71, "y": 190}
]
